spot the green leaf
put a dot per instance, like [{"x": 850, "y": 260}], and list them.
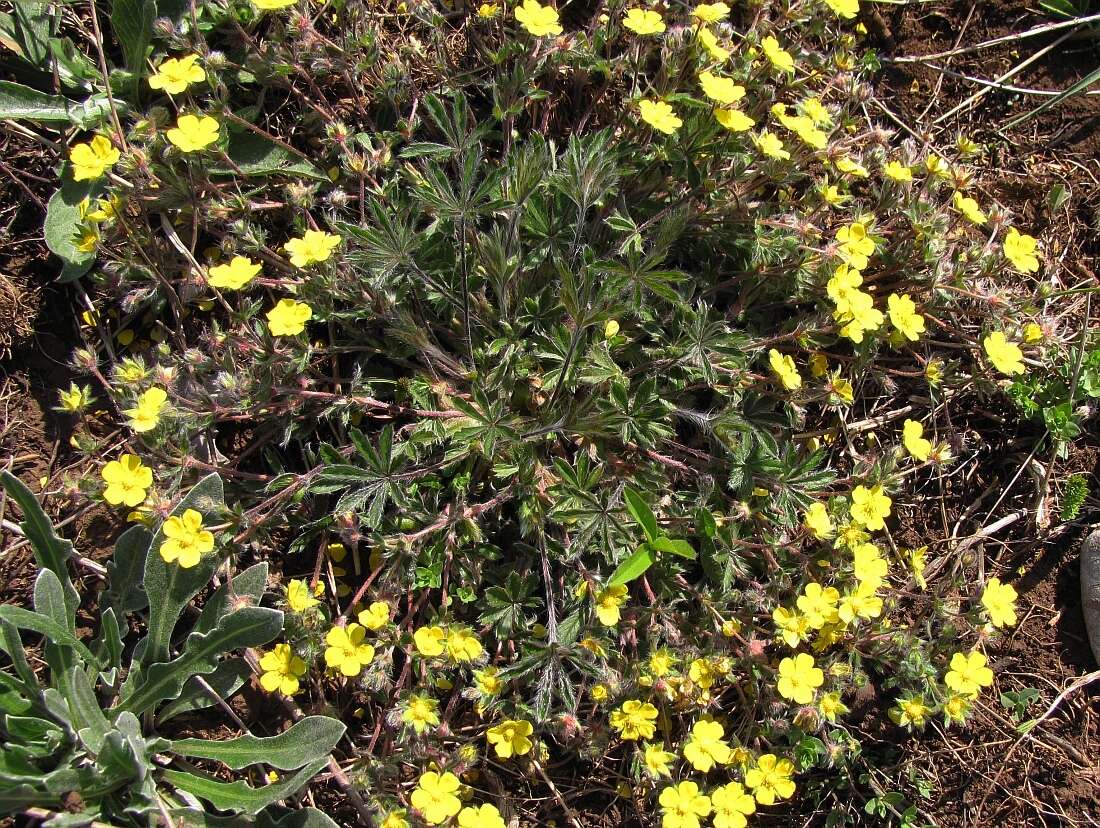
[
  {"x": 133, "y": 24},
  {"x": 247, "y": 588},
  {"x": 239, "y": 796},
  {"x": 248, "y": 627},
  {"x": 632, "y": 567},
  {"x": 169, "y": 586},
  {"x": 640, "y": 511},
  {"x": 62, "y": 226},
  {"x": 307, "y": 740},
  {"x": 49, "y": 600},
  {"x": 125, "y": 570},
  {"x": 24, "y": 619},
  {"x": 227, "y": 678},
  {"x": 50, "y": 551},
  {"x": 88, "y": 720},
  {"x": 676, "y": 547},
  {"x": 11, "y": 644},
  {"x": 304, "y": 818},
  {"x": 256, "y": 156},
  {"x": 21, "y": 103}
]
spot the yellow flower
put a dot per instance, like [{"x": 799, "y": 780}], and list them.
[
  {"x": 912, "y": 436},
  {"x": 175, "y": 74},
  {"x": 487, "y": 11},
  {"x": 870, "y": 507},
  {"x": 430, "y": 641},
  {"x": 776, "y": 55},
  {"x": 909, "y": 712},
  {"x": 480, "y": 816},
  {"x": 732, "y": 804},
  {"x": 93, "y": 159},
  {"x": 299, "y": 597},
  {"x": 847, "y": 166},
  {"x": 682, "y": 806},
  {"x": 734, "y": 119},
  {"x": 816, "y": 111},
  {"x": 904, "y": 316},
  {"x": 917, "y": 561},
  {"x": 792, "y": 626},
  {"x": 462, "y": 645},
  {"x": 818, "y": 604},
  {"x": 841, "y": 389},
  {"x": 281, "y": 670},
  {"x": 830, "y": 706},
  {"x": 868, "y": 564},
  {"x": 435, "y": 796},
  {"x": 376, "y": 616},
  {"x": 608, "y": 602},
  {"x": 956, "y": 708},
  {"x": 999, "y": 601},
  {"x": 660, "y": 663},
  {"x": 644, "y": 22},
  {"x": 314, "y": 246},
  {"x": 234, "y": 275},
  {"x": 719, "y": 89},
  {"x": 288, "y": 317},
  {"x": 969, "y": 208},
  {"x": 770, "y": 779},
  {"x": 395, "y": 819},
  {"x": 127, "y": 480},
  {"x": 819, "y": 523},
  {"x": 193, "y": 133},
  {"x": 660, "y": 116},
  {"x": 843, "y": 284},
  {"x": 770, "y": 144},
  {"x": 346, "y": 651},
  {"x": 799, "y": 678},
  {"x": 801, "y": 125},
  {"x": 847, "y": 9},
  {"x": 538, "y": 19},
  {"x": 76, "y": 399},
  {"x": 710, "y": 43},
  {"x": 710, "y": 12},
  {"x": 186, "y": 540},
  {"x": 782, "y": 365},
  {"x": 937, "y": 167},
  {"x": 421, "y": 712},
  {"x": 610, "y": 331},
  {"x": 1019, "y": 248},
  {"x": 1006, "y": 356},
  {"x": 703, "y": 673},
  {"x": 860, "y": 316},
  {"x": 487, "y": 681},
  {"x": 657, "y": 760},
  {"x": 897, "y": 171},
  {"x": 600, "y": 692},
  {"x": 856, "y": 246},
  {"x": 1033, "y": 333},
  {"x": 635, "y": 720},
  {"x": 105, "y": 209},
  {"x": 266, "y": 5},
  {"x": 707, "y": 746},
  {"x": 968, "y": 674},
  {"x": 511, "y": 738}
]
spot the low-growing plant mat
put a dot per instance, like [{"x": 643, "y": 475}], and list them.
[{"x": 1001, "y": 506}]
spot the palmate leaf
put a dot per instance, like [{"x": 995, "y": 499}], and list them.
[{"x": 369, "y": 488}]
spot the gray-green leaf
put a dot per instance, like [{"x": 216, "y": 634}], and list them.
[{"x": 305, "y": 741}]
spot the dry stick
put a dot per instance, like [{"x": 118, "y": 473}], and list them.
[
  {"x": 1003, "y": 87},
  {"x": 106, "y": 77},
  {"x": 1010, "y": 73},
  {"x": 569, "y": 812},
  {"x": 1038, "y": 30},
  {"x": 939, "y": 80}
]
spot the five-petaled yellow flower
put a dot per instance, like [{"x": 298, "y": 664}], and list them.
[
  {"x": 770, "y": 779},
  {"x": 710, "y": 12},
  {"x": 969, "y": 208},
  {"x": 314, "y": 246},
  {"x": 904, "y": 316},
  {"x": 819, "y": 523},
  {"x": 912, "y": 437},
  {"x": 538, "y": 19},
  {"x": 709, "y": 41},
  {"x": 288, "y": 317},
  {"x": 719, "y": 89},
  {"x": 799, "y": 678},
  {"x": 267, "y": 5},
  {"x": 436, "y": 796},
  {"x": 299, "y": 597},
  {"x": 777, "y": 56},
  {"x": 187, "y": 540},
  {"x": 127, "y": 480},
  {"x": 785, "y": 371},
  {"x": 485, "y": 815},
  {"x": 376, "y": 616},
  {"x": 657, "y": 760},
  {"x": 93, "y": 159},
  {"x": 608, "y": 602},
  {"x": 732, "y": 804},
  {"x": 174, "y": 75},
  {"x": 660, "y": 116},
  {"x": 235, "y": 274},
  {"x": 968, "y": 674},
  {"x": 644, "y": 22},
  {"x": 346, "y": 651},
  {"x": 870, "y": 507},
  {"x": 734, "y": 120},
  {"x": 430, "y": 641},
  {"x": 999, "y": 601},
  {"x": 847, "y": 9},
  {"x": 281, "y": 670},
  {"x": 1019, "y": 248},
  {"x": 682, "y": 805},
  {"x": 511, "y": 738},
  {"x": 421, "y": 712},
  {"x": 487, "y": 11},
  {"x": 194, "y": 132},
  {"x": 1006, "y": 356},
  {"x": 771, "y": 145},
  {"x": 462, "y": 645},
  {"x": 897, "y": 171},
  {"x": 145, "y": 416},
  {"x": 635, "y": 720},
  {"x": 707, "y": 746},
  {"x": 856, "y": 245}
]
